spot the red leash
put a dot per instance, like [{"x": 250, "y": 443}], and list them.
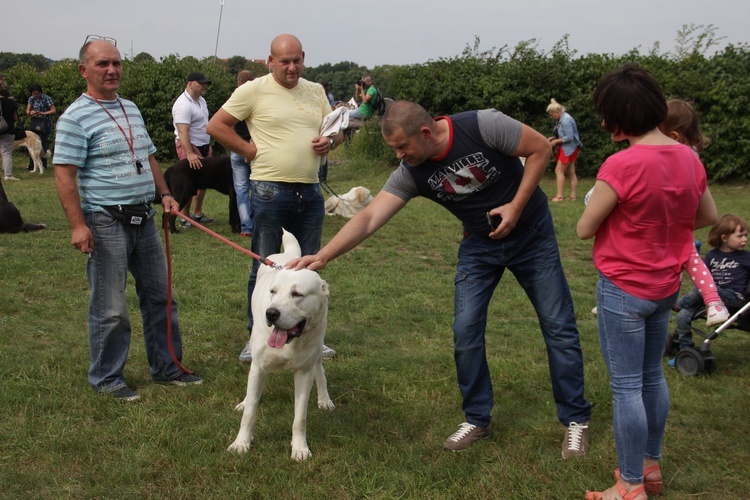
[
  {"x": 232, "y": 244},
  {"x": 165, "y": 225}
]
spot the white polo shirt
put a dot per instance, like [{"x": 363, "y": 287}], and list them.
[{"x": 188, "y": 111}]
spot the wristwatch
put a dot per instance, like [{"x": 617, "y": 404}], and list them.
[{"x": 331, "y": 142}]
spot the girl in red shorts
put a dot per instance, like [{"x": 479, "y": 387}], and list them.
[{"x": 565, "y": 135}]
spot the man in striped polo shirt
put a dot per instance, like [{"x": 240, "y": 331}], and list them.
[{"x": 106, "y": 176}]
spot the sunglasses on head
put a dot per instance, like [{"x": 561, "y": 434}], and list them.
[{"x": 93, "y": 38}]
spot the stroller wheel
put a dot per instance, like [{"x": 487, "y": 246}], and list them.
[{"x": 689, "y": 362}]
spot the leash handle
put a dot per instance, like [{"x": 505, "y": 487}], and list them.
[{"x": 232, "y": 244}]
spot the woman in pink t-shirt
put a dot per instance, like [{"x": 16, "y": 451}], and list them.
[{"x": 648, "y": 200}]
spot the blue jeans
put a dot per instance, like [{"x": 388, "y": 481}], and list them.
[
  {"x": 689, "y": 305},
  {"x": 531, "y": 254},
  {"x": 241, "y": 178},
  {"x": 355, "y": 114},
  {"x": 631, "y": 335},
  {"x": 298, "y": 208},
  {"x": 117, "y": 250}
]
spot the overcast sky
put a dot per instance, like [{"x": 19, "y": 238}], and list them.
[{"x": 368, "y": 32}]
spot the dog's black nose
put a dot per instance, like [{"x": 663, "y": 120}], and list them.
[{"x": 272, "y": 314}]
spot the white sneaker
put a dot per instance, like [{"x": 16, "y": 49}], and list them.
[
  {"x": 593, "y": 311},
  {"x": 328, "y": 353},
  {"x": 11, "y": 178},
  {"x": 716, "y": 314}
]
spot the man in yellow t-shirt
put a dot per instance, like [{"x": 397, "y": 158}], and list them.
[{"x": 283, "y": 112}]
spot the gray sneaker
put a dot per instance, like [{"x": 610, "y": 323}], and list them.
[
  {"x": 183, "y": 379},
  {"x": 466, "y": 435},
  {"x": 328, "y": 353},
  {"x": 246, "y": 356},
  {"x": 125, "y": 394},
  {"x": 576, "y": 442},
  {"x": 202, "y": 218}
]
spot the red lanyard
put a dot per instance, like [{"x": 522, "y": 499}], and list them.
[{"x": 131, "y": 142}]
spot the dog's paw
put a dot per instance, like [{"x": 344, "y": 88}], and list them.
[
  {"x": 240, "y": 406},
  {"x": 300, "y": 454},
  {"x": 326, "y": 405},
  {"x": 239, "y": 447}
]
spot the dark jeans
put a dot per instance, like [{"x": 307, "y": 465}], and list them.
[
  {"x": 298, "y": 208},
  {"x": 531, "y": 254}
]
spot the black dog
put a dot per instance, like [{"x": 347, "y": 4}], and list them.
[
  {"x": 184, "y": 182},
  {"x": 10, "y": 217}
]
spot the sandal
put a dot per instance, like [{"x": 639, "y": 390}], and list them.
[
  {"x": 624, "y": 494},
  {"x": 557, "y": 198},
  {"x": 653, "y": 486},
  {"x": 571, "y": 198}
]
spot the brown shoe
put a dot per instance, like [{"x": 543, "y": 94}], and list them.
[
  {"x": 576, "y": 442},
  {"x": 466, "y": 435}
]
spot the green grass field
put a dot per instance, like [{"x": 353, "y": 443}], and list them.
[{"x": 393, "y": 381}]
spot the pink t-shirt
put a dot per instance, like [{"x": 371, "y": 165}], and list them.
[{"x": 643, "y": 243}]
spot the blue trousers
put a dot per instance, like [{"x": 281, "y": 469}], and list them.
[
  {"x": 631, "y": 335},
  {"x": 117, "y": 250},
  {"x": 298, "y": 208},
  {"x": 531, "y": 254}
]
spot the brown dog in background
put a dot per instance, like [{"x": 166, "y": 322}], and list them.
[{"x": 33, "y": 145}]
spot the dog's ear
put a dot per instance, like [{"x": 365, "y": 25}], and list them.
[
  {"x": 362, "y": 194},
  {"x": 324, "y": 288}
]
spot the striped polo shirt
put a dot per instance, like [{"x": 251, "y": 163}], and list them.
[{"x": 95, "y": 142}]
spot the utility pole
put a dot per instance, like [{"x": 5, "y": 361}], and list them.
[{"x": 218, "y": 31}]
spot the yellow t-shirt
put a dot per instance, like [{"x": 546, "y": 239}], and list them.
[{"x": 282, "y": 122}]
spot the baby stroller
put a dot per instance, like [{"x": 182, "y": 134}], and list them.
[{"x": 699, "y": 359}]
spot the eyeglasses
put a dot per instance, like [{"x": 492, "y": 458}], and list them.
[{"x": 93, "y": 38}]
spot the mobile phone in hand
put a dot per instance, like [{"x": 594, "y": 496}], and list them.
[{"x": 493, "y": 221}]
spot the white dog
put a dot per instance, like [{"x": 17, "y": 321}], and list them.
[
  {"x": 33, "y": 144},
  {"x": 347, "y": 205},
  {"x": 294, "y": 305}
]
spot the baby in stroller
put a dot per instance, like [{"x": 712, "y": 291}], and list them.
[{"x": 729, "y": 264}]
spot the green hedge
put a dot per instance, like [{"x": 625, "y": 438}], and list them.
[
  {"x": 521, "y": 83},
  {"x": 518, "y": 81}
]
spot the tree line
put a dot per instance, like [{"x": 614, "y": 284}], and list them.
[{"x": 520, "y": 81}]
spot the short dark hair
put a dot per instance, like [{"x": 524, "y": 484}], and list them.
[
  {"x": 245, "y": 76},
  {"x": 35, "y": 86},
  {"x": 630, "y": 101},
  {"x": 407, "y": 116}
]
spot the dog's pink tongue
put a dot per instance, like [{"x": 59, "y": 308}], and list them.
[{"x": 278, "y": 338}]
